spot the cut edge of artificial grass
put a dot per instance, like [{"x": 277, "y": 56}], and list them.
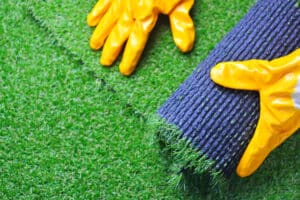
[
  {"x": 190, "y": 170},
  {"x": 52, "y": 35},
  {"x": 74, "y": 56}
]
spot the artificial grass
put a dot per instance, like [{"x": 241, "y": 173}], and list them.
[
  {"x": 70, "y": 129},
  {"x": 64, "y": 134}
]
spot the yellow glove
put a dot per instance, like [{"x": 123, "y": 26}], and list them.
[
  {"x": 278, "y": 83},
  {"x": 119, "y": 21}
]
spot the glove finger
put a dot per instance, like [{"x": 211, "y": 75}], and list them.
[
  {"x": 116, "y": 40},
  {"x": 248, "y": 75},
  {"x": 183, "y": 31},
  {"x": 182, "y": 26},
  {"x": 256, "y": 152},
  {"x": 274, "y": 127},
  {"x": 105, "y": 26},
  {"x": 136, "y": 43},
  {"x": 97, "y": 12}
]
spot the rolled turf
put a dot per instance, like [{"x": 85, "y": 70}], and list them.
[
  {"x": 215, "y": 123},
  {"x": 76, "y": 143}
]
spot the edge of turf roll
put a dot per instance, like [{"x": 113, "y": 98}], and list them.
[{"x": 188, "y": 167}]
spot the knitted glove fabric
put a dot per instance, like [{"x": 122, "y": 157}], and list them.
[{"x": 220, "y": 122}]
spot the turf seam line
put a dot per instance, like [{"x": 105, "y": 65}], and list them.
[
  {"x": 73, "y": 56},
  {"x": 42, "y": 25},
  {"x": 68, "y": 52}
]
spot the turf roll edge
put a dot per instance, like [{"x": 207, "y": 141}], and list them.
[
  {"x": 189, "y": 169},
  {"x": 205, "y": 127}
]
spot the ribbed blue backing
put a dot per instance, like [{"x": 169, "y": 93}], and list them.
[{"x": 218, "y": 121}]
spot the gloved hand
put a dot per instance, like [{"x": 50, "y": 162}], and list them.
[
  {"x": 119, "y": 21},
  {"x": 278, "y": 83}
]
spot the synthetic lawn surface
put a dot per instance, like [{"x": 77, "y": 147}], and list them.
[
  {"x": 72, "y": 129},
  {"x": 64, "y": 134}
]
